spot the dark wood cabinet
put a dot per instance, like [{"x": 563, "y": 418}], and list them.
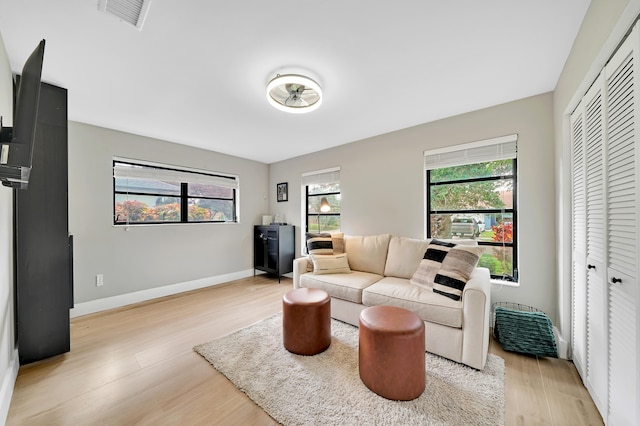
[
  {"x": 43, "y": 253},
  {"x": 273, "y": 249}
]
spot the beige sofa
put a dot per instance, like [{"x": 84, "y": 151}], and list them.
[{"x": 381, "y": 269}]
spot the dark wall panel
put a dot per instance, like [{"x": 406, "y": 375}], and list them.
[{"x": 43, "y": 275}]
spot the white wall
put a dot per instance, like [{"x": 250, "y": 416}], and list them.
[
  {"x": 8, "y": 353},
  {"x": 152, "y": 256},
  {"x": 382, "y": 185},
  {"x": 604, "y": 26}
]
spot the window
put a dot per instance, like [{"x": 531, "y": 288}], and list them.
[
  {"x": 324, "y": 184},
  {"x": 472, "y": 194},
  {"x": 146, "y": 193}
]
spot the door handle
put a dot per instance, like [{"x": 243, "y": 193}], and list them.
[
  {"x": 591, "y": 266},
  {"x": 615, "y": 280}
]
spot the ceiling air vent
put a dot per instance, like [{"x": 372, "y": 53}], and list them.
[{"x": 133, "y": 12}]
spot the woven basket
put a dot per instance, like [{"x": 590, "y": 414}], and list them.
[{"x": 523, "y": 329}]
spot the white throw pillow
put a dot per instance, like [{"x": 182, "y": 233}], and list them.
[{"x": 330, "y": 264}]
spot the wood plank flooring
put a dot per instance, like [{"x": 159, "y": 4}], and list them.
[{"x": 135, "y": 366}]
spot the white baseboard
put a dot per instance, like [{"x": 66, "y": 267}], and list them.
[
  {"x": 120, "y": 300},
  {"x": 8, "y": 382},
  {"x": 562, "y": 344}
]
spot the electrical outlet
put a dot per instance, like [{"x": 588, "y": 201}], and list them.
[{"x": 99, "y": 280}]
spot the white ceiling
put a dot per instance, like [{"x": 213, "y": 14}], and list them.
[{"x": 196, "y": 74}]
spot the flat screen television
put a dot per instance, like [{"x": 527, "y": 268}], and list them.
[{"x": 16, "y": 143}]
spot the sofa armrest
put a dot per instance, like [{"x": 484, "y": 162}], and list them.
[
  {"x": 476, "y": 307},
  {"x": 299, "y": 268}
]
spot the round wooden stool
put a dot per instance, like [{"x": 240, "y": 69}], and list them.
[
  {"x": 306, "y": 321},
  {"x": 391, "y": 354}
]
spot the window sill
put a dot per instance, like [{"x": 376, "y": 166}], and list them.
[
  {"x": 503, "y": 283},
  {"x": 149, "y": 225}
]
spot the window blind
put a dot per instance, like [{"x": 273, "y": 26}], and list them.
[
  {"x": 128, "y": 171},
  {"x": 331, "y": 175},
  {"x": 501, "y": 148}
]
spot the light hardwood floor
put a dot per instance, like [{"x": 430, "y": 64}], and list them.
[{"x": 135, "y": 365}]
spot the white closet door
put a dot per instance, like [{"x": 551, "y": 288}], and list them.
[
  {"x": 578, "y": 244},
  {"x": 622, "y": 234},
  {"x": 605, "y": 132},
  {"x": 596, "y": 377}
]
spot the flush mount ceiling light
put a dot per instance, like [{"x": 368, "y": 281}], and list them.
[{"x": 294, "y": 93}]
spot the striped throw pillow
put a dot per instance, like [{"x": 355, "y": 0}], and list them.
[
  {"x": 319, "y": 244},
  {"x": 456, "y": 270},
  {"x": 446, "y": 268},
  {"x": 431, "y": 263},
  {"x": 323, "y": 244}
]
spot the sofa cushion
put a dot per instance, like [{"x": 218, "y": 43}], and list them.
[
  {"x": 368, "y": 253},
  {"x": 429, "y": 306},
  {"x": 404, "y": 256},
  {"x": 331, "y": 264},
  {"x": 342, "y": 286}
]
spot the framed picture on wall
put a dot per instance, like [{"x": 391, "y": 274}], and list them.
[{"x": 282, "y": 191}]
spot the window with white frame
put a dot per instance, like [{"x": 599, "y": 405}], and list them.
[
  {"x": 146, "y": 193},
  {"x": 472, "y": 194},
  {"x": 322, "y": 200}
]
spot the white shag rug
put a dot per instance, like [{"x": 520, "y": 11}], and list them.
[{"x": 326, "y": 388}]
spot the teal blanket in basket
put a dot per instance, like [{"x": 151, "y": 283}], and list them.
[{"x": 525, "y": 332}]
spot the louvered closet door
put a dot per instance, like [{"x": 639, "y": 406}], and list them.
[
  {"x": 622, "y": 233},
  {"x": 578, "y": 244},
  {"x": 596, "y": 372}
]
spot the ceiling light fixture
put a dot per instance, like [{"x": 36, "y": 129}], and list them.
[{"x": 294, "y": 93}]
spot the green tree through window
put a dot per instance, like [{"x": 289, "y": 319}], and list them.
[{"x": 477, "y": 201}]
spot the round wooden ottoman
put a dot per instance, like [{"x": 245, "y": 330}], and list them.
[
  {"x": 306, "y": 321},
  {"x": 391, "y": 353}
]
